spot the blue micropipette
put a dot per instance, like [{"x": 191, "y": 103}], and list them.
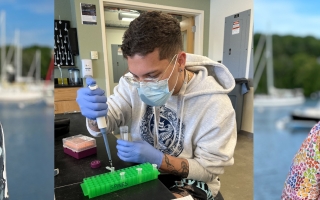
[{"x": 102, "y": 125}]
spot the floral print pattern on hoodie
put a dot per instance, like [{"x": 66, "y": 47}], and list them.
[{"x": 303, "y": 180}]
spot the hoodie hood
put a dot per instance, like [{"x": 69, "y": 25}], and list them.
[
  {"x": 208, "y": 68},
  {"x": 212, "y": 78}
]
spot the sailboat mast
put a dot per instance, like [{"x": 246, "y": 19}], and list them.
[
  {"x": 18, "y": 60},
  {"x": 3, "y": 43},
  {"x": 38, "y": 65},
  {"x": 269, "y": 56}
]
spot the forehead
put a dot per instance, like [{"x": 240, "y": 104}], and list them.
[{"x": 139, "y": 65}]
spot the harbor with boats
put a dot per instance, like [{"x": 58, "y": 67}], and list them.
[{"x": 16, "y": 87}]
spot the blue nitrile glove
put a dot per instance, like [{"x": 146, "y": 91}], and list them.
[
  {"x": 92, "y": 103},
  {"x": 139, "y": 152}
]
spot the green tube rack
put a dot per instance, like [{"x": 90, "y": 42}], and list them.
[{"x": 109, "y": 182}]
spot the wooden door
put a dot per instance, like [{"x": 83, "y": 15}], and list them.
[{"x": 187, "y": 26}]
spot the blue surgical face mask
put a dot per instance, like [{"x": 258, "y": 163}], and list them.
[{"x": 156, "y": 93}]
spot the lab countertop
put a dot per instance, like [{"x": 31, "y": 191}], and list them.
[
  {"x": 67, "y": 86},
  {"x": 72, "y": 171}
]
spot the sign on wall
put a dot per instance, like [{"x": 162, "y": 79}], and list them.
[{"x": 88, "y": 14}]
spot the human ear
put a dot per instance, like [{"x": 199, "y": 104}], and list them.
[{"x": 182, "y": 60}]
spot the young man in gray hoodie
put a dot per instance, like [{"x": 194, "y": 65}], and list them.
[{"x": 181, "y": 118}]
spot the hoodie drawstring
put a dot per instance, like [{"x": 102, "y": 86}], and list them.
[
  {"x": 180, "y": 116},
  {"x": 156, "y": 122}
]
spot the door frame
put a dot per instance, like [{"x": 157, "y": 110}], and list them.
[{"x": 198, "y": 17}]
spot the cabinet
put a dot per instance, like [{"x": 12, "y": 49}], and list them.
[{"x": 65, "y": 100}]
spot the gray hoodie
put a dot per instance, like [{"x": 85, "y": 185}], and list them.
[{"x": 198, "y": 124}]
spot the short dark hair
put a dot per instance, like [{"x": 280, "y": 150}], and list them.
[{"x": 152, "y": 30}]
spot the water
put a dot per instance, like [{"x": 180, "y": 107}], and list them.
[
  {"x": 29, "y": 139},
  {"x": 274, "y": 149}
]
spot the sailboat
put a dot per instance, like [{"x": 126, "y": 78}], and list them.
[
  {"x": 23, "y": 89},
  {"x": 311, "y": 114},
  {"x": 275, "y": 96},
  {"x": 302, "y": 118}
]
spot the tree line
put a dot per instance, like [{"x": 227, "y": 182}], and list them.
[
  {"x": 296, "y": 63},
  {"x": 28, "y": 54}
]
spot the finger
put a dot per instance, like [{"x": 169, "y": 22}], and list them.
[
  {"x": 90, "y": 81},
  {"x": 123, "y": 158},
  {"x": 125, "y": 154},
  {"x": 92, "y": 114},
  {"x": 124, "y": 148},
  {"x": 97, "y": 91},
  {"x": 87, "y": 91},
  {"x": 95, "y": 99},
  {"x": 97, "y": 104},
  {"x": 124, "y": 143}
]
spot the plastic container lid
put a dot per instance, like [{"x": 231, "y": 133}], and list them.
[
  {"x": 79, "y": 143},
  {"x": 95, "y": 164}
]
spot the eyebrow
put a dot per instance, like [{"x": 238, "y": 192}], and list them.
[{"x": 154, "y": 71}]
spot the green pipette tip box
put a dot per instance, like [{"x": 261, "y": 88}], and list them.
[{"x": 112, "y": 181}]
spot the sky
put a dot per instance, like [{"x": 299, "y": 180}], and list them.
[
  {"x": 33, "y": 18},
  {"x": 283, "y": 17}
]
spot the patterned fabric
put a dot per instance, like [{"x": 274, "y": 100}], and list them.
[
  {"x": 169, "y": 127},
  {"x": 303, "y": 181},
  {"x": 197, "y": 189}
]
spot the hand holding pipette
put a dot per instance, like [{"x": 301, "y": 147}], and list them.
[{"x": 93, "y": 105}]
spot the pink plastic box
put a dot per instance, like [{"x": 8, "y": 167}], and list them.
[{"x": 79, "y": 146}]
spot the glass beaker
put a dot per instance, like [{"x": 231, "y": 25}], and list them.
[
  {"x": 71, "y": 76},
  {"x": 76, "y": 75}
]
